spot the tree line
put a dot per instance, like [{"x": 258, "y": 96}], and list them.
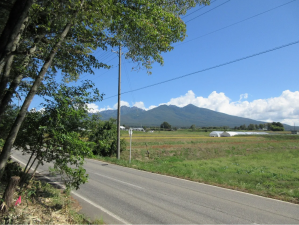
[{"x": 274, "y": 126}]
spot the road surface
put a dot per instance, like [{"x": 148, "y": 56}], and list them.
[{"x": 122, "y": 195}]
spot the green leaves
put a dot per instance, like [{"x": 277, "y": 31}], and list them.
[
  {"x": 104, "y": 135},
  {"x": 56, "y": 133}
]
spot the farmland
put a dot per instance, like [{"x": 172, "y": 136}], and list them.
[{"x": 264, "y": 165}]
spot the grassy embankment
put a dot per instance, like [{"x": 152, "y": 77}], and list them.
[{"x": 263, "y": 165}]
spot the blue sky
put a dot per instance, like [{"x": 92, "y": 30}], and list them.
[{"x": 264, "y": 87}]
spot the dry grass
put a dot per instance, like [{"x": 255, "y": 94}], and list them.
[
  {"x": 264, "y": 165},
  {"x": 43, "y": 204}
]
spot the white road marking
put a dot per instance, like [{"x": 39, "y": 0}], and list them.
[
  {"x": 101, "y": 208},
  {"x": 119, "y": 181},
  {"x": 210, "y": 185},
  {"x": 80, "y": 196}
]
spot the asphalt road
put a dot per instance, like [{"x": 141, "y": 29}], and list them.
[{"x": 123, "y": 195}]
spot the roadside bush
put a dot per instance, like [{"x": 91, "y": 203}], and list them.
[{"x": 105, "y": 138}]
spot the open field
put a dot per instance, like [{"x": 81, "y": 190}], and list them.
[{"x": 265, "y": 165}]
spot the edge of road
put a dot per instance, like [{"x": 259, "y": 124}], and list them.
[
  {"x": 210, "y": 185},
  {"x": 105, "y": 211}
]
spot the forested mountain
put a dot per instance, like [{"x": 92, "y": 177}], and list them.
[{"x": 178, "y": 117}]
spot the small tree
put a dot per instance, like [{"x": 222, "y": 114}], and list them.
[
  {"x": 165, "y": 125},
  {"x": 104, "y": 135},
  {"x": 275, "y": 126},
  {"x": 261, "y": 126},
  {"x": 55, "y": 133},
  {"x": 193, "y": 127},
  {"x": 243, "y": 127},
  {"x": 251, "y": 126}
]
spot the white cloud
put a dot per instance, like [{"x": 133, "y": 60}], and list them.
[
  {"x": 93, "y": 108},
  {"x": 284, "y": 108},
  {"x": 151, "y": 107},
  {"x": 245, "y": 96},
  {"x": 122, "y": 103},
  {"x": 142, "y": 106},
  {"x": 139, "y": 105}
]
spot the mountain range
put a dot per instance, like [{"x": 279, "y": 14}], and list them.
[{"x": 177, "y": 117}]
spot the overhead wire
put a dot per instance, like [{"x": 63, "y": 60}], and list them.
[
  {"x": 241, "y": 21},
  {"x": 194, "y": 11},
  {"x": 207, "y": 11},
  {"x": 129, "y": 81},
  {"x": 210, "y": 68}
]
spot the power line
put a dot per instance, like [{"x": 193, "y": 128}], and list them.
[
  {"x": 196, "y": 10},
  {"x": 207, "y": 11},
  {"x": 210, "y": 68},
  {"x": 129, "y": 81},
  {"x": 241, "y": 21}
]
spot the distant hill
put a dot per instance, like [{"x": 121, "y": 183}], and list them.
[{"x": 178, "y": 117}]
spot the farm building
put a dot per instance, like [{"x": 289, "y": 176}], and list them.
[
  {"x": 230, "y": 134},
  {"x": 216, "y": 133},
  {"x": 233, "y": 133},
  {"x": 138, "y": 129}
]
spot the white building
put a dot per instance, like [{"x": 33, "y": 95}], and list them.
[
  {"x": 233, "y": 133},
  {"x": 138, "y": 129},
  {"x": 216, "y": 133}
]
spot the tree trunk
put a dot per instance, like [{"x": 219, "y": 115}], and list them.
[
  {"x": 9, "y": 191},
  {"x": 13, "y": 28},
  {"x": 5, "y": 76},
  {"x": 22, "y": 113},
  {"x": 7, "y": 95},
  {"x": 33, "y": 174}
]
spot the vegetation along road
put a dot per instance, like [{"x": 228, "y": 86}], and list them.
[{"x": 125, "y": 195}]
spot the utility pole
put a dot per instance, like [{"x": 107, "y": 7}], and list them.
[{"x": 118, "y": 105}]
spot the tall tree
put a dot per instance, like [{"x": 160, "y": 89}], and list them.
[
  {"x": 71, "y": 30},
  {"x": 165, "y": 125}
]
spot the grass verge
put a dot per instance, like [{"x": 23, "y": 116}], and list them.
[{"x": 267, "y": 166}]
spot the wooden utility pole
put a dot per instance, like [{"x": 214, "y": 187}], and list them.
[{"x": 118, "y": 106}]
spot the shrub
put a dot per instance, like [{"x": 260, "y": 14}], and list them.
[{"x": 105, "y": 138}]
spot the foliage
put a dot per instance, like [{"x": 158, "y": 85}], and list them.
[
  {"x": 104, "y": 135},
  {"x": 7, "y": 120},
  {"x": 11, "y": 169},
  {"x": 165, "y": 125},
  {"x": 61, "y": 35},
  {"x": 275, "y": 126},
  {"x": 251, "y": 127},
  {"x": 54, "y": 133},
  {"x": 193, "y": 127},
  {"x": 1, "y": 144}
]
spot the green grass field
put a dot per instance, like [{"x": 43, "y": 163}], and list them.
[{"x": 263, "y": 165}]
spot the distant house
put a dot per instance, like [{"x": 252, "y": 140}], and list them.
[
  {"x": 295, "y": 132},
  {"x": 122, "y": 127},
  {"x": 138, "y": 129}
]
